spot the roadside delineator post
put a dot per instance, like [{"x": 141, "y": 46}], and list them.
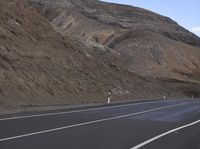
[
  {"x": 164, "y": 95},
  {"x": 109, "y": 94}
]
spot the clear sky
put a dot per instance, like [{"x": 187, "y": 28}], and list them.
[{"x": 184, "y": 12}]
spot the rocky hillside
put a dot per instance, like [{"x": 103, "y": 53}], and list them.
[
  {"x": 149, "y": 44},
  {"x": 93, "y": 19},
  {"x": 39, "y": 66}
]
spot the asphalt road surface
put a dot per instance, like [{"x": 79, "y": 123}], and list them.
[{"x": 167, "y": 124}]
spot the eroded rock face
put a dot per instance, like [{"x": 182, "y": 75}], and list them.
[
  {"x": 69, "y": 15},
  {"x": 149, "y": 44},
  {"x": 39, "y": 66}
]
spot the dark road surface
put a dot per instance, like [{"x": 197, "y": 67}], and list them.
[{"x": 126, "y": 126}]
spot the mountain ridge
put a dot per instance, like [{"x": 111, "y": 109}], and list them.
[
  {"x": 133, "y": 32},
  {"x": 100, "y": 10}
]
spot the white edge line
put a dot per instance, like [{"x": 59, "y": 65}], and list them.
[
  {"x": 87, "y": 123},
  {"x": 69, "y": 112},
  {"x": 164, "y": 134}
]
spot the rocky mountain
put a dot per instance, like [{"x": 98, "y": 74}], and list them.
[
  {"x": 91, "y": 17},
  {"x": 89, "y": 51},
  {"x": 38, "y": 66},
  {"x": 149, "y": 44}
]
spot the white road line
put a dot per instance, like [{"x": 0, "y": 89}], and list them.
[
  {"x": 164, "y": 134},
  {"x": 70, "y": 112},
  {"x": 90, "y": 122}
]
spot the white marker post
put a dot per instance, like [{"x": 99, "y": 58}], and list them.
[
  {"x": 192, "y": 96},
  {"x": 109, "y": 93},
  {"x": 164, "y": 95}
]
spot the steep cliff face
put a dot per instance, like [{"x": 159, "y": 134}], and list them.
[{"x": 149, "y": 44}]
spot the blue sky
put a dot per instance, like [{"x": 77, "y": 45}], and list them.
[{"x": 184, "y": 12}]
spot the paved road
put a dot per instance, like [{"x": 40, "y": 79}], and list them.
[{"x": 173, "y": 124}]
